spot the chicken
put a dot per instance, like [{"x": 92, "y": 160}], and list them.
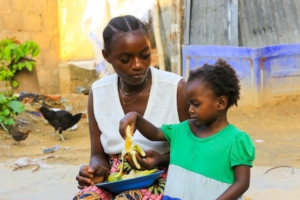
[
  {"x": 61, "y": 120},
  {"x": 18, "y": 134}
]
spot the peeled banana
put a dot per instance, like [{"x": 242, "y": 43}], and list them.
[
  {"x": 131, "y": 149},
  {"x": 137, "y": 173}
]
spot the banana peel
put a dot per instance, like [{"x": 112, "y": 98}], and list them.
[{"x": 131, "y": 149}]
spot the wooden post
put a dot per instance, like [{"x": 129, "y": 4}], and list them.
[
  {"x": 176, "y": 36},
  {"x": 160, "y": 51}
]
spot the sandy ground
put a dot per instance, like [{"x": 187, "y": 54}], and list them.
[{"x": 275, "y": 129}]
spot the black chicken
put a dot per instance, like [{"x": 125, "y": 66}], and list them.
[
  {"x": 61, "y": 120},
  {"x": 18, "y": 134}
]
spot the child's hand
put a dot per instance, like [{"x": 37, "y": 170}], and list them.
[
  {"x": 129, "y": 119},
  {"x": 150, "y": 161},
  {"x": 89, "y": 175}
]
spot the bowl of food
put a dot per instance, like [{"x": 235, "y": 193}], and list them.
[{"x": 139, "y": 182}]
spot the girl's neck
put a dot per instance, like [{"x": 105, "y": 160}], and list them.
[
  {"x": 208, "y": 130},
  {"x": 134, "y": 89}
]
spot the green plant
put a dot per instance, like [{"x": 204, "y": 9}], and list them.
[
  {"x": 14, "y": 56},
  {"x": 9, "y": 109}
]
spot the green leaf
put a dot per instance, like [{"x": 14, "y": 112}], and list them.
[
  {"x": 16, "y": 106},
  {"x": 29, "y": 66},
  {"x": 18, "y": 53},
  {"x": 33, "y": 63},
  {"x": 2, "y": 98},
  {"x": 9, "y": 121},
  {"x": 3, "y": 73},
  {"x": 21, "y": 65},
  {"x": 25, "y": 48},
  {"x": 5, "y": 112},
  {"x": 15, "y": 66},
  {"x": 14, "y": 97},
  {"x": 10, "y": 73},
  {"x": 14, "y": 83},
  {"x": 35, "y": 51},
  {"x": 7, "y": 53}
]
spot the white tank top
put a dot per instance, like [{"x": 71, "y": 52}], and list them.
[{"x": 161, "y": 109}]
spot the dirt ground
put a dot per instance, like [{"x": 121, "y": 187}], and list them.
[
  {"x": 274, "y": 128},
  {"x": 277, "y": 124},
  {"x": 75, "y": 150}
]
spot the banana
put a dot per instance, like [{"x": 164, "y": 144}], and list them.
[
  {"x": 131, "y": 149},
  {"x": 144, "y": 172},
  {"x": 137, "y": 173},
  {"x": 128, "y": 176}
]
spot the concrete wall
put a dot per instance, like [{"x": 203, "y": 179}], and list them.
[
  {"x": 74, "y": 42},
  {"x": 56, "y": 26},
  {"x": 34, "y": 20}
]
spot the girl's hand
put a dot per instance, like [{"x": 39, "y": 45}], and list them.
[
  {"x": 84, "y": 178},
  {"x": 89, "y": 175},
  {"x": 150, "y": 161},
  {"x": 129, "y": 119}
]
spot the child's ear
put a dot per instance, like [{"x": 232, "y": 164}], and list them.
[
  {"x": 222, "y": 103},
  {"x": 105, "y": 55}
]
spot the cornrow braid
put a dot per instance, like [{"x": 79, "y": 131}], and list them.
[
  {"x": 121, "y": 24},
  {"x": 221, "y": 78}
]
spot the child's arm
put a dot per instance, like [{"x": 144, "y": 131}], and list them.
[
  {"x": 240, "y": 185},
  {"x": 147, "y": 129}
]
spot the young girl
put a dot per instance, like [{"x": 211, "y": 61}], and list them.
[{"x": 210, "y": 158}]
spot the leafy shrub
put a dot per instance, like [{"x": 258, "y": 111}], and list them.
[
  {"x": 9, "y": 109},
  {"x": 14, "y": 56}
]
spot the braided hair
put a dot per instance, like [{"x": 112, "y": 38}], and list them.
[
  {"x": 221, "y": 78},
  {"x": 121, "y": 24}
]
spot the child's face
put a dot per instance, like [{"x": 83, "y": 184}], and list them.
[
  {"x": 203, "y": 103},
  {"x": 130, "y": 55}
]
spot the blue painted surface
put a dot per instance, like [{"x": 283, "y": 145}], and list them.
[{"x": 265, "y": 73}]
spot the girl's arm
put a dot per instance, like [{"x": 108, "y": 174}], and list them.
[
  {"x": 146, "y": 128},
  {"x": 98, "y": 156},
  {"x": 98, "y": 169},
  {"x": 240, "y": 185},
  {"x": 163, "y": 160}
]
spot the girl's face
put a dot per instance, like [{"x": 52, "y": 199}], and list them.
[
  {"x": 130, "y": 55},
  {"x": 203, "y": 103}
]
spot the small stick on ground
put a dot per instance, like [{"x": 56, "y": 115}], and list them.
[
  {"x": 3, "y": 126},
  {"x": 279, "y": 167}
]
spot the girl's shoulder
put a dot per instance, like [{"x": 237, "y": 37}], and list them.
[
  {"x": 242, "y": 149},
  {"x": 238, "y": 134},
  {"x": 176, "y": 128},
  {"x": 108, "y": 80}
]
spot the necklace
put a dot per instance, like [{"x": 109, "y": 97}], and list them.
[
  {"x": 131, "y": 93},
  {"x": 124, "y": 103}
]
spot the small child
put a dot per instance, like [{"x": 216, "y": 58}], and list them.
[{"x": 210, "y": 158}]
